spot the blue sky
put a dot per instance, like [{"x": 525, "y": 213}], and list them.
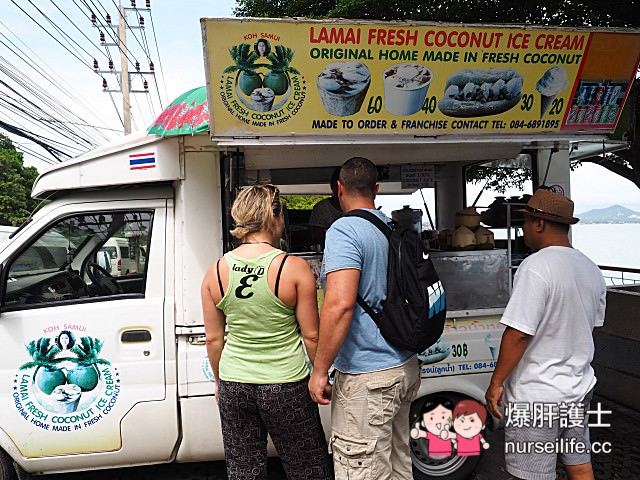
[{"x": 179, "y": 39}]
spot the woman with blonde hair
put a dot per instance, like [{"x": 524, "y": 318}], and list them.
[{"x": 267, "y": 300}]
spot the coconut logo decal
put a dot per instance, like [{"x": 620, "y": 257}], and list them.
[
  {"x": 260, "y": 87},
  {"x": 66, "y": 385}
]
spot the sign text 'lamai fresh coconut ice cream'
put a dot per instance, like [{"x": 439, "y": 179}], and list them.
[
  {"x": 550, "y": 85},
  {"x": 405, "y": 87},
  {"x": 343, "y": 86}
]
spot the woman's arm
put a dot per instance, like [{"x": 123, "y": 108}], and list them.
[
  {"x": 214, "y": 323},
  {"x": 306, "y": 305}
]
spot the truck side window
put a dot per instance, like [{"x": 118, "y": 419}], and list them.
[{"x": 80, "y": 258}]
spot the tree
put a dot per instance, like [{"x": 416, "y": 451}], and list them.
[
  {"x": 550, "y": 12},
  {"x": 16, "y": 182},
  {"x": 575, "y": 13}
]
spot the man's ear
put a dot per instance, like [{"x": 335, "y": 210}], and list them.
[
  {"x": 375, "y": 190},
  {"x": 541, "y": 223}
]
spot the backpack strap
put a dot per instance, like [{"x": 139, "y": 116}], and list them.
[
  {"x": 386, "y": 230},
  {"x": 219, "y": 280},
  {"x": 278, "y": 276},
  {"x": 383, "y": 227}
]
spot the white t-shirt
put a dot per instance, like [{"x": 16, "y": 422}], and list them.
[{"x": 559, "y": 296}]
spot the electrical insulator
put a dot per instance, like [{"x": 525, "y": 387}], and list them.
[
  {"x": 94, "y": 20},
  {"x": 145, "y": 84},
  {"x": 152, "y": 67},
  {"x": 102, "y": 37},
  {"x": 95, "y": 64},
  {"x": 133, "y": 3},
  {"x": 148, "y": 3},
  {"x": 141, "y": 21},
  {"x": 108, "y": 18},
  {"x": 110, "y": 64},
  {"x": 104, "y": 83}
]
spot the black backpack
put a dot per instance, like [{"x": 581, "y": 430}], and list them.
[{"x": 413, "y": 315}]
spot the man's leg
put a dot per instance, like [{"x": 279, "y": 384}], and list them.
[
  {"x": 578, "y": 465},
  {"x": 362, "y": 414},
  {"x": 400, "y": 453}
]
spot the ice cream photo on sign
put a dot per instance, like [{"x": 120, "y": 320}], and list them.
[
  {"x": 343, "y": 86},
  {"x": 262, "y": 99},
  {"x": 551, "y": 84},
  {"x": 405, "y": 87}
]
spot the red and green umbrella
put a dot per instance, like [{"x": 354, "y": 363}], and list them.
[{"x": 188, "y": 114}]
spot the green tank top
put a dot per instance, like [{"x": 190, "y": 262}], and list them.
[{"x": 263, "y": 344}]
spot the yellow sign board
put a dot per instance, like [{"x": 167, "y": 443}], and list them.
[{"x": 327, "y": 77}]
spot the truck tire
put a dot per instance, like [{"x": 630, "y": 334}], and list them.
[
  {"x": 446, "y": 468},
  {"x": 437, "y": 468},
  {"x": 7, "y": 472}
]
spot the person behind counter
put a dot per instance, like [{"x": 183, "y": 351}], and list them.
[
  {"x": 328, "y": 210},
  {"x": 268, "y": 301}
]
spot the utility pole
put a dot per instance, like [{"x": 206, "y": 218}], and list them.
[
  {"x": 121, "y": 43},
  {"x": 124, "y": 68}
]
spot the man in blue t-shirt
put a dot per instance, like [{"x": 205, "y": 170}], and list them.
[{"x": 375, "y": 382}]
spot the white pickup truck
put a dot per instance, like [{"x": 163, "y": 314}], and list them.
[{"x": 101, "y": 370}]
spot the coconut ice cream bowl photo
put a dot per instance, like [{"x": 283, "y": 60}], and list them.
[
  {"x": 343, "y": 86},
  {"x": 262, "y": 99},
  {"x": 405, "y": 88}
]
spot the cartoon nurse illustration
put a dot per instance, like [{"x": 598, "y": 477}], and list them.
[
  {"x": 469, "y": 419},
  {"x": 435, "y": 426}
]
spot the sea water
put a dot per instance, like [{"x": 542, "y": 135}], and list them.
[{"x": 612, "y": 245}]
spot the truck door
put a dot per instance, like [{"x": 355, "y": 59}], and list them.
[{"x": 84, "y": 351}]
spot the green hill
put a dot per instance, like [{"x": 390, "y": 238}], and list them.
[{"x": 613, "y": 214}]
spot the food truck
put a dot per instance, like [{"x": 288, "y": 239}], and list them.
[{"x": 103, "y": 371}]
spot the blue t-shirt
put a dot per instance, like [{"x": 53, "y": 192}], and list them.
[{"x": 354, "y": 242}]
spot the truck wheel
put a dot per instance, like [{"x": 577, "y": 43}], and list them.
[
  {"x": 441, "y": 468},
  {"x": 437, "y": 468},
  {"x": 7, "y": 472}
]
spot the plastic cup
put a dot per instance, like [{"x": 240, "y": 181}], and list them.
[{"x": 404, "y": 95}]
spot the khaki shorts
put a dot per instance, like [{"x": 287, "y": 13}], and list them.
[{"x": 370, "y": 423}]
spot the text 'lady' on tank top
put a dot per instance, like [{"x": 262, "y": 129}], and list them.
[{"x": 263, "y": 344}]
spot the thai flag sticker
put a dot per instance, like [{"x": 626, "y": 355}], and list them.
[{"x": 142, "y": 161}]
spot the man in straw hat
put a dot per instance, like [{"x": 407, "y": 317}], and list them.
[{"x": 543, "y": 376}]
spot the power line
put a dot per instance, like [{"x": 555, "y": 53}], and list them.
[
  {"x": 24, "y": 83},
  {"x": 164, "y": 83},
  {"x": 124, "y": 16},
  {"x": 47, "y": 75},
  {"x": 22, "y": 147},
  {"x": 78, "y": 28},
  {"x": 48, "y": 33},
  {"x": 56, "y": 153},
  {"x": 37, "y": 108}
]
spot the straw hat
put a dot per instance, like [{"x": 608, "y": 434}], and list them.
[{"x": 551, "y": 206}]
